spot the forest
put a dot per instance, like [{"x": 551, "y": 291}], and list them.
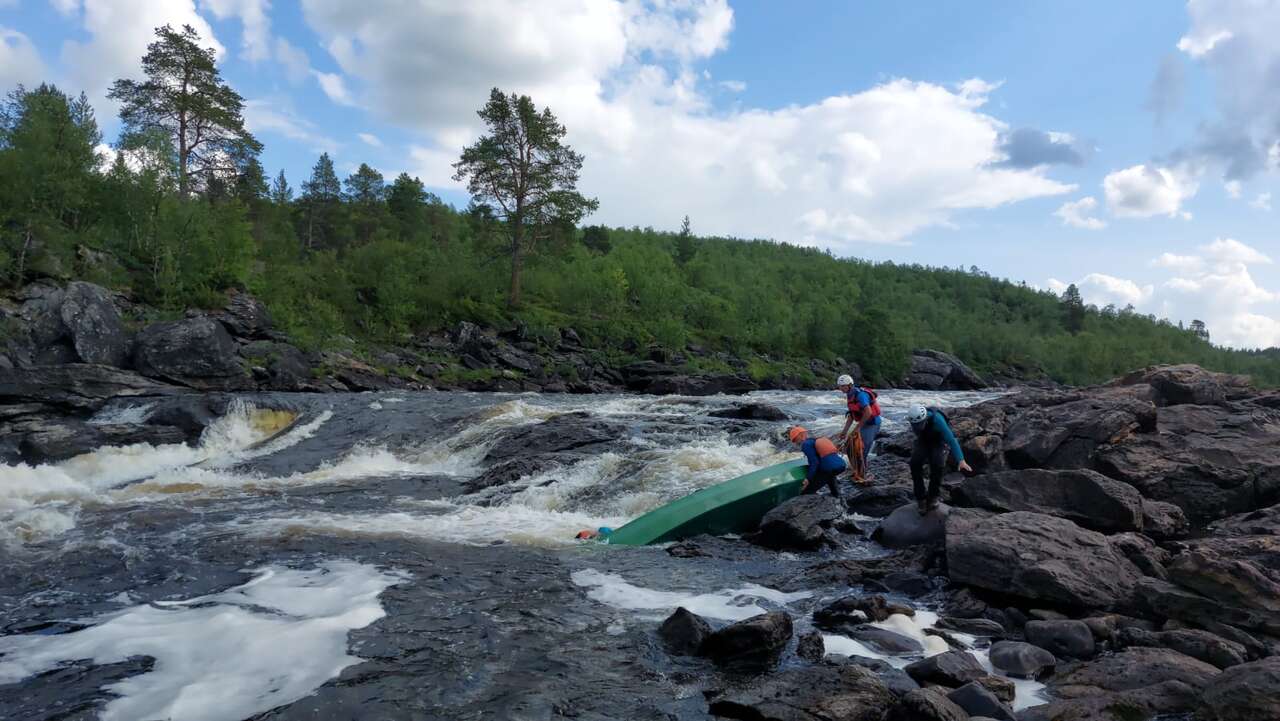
[{"x": 182, "y": 210}]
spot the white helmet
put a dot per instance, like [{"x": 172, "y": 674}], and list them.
[
  {"x": 844, "y": 380},
  {"x": 916, "y": 414}
]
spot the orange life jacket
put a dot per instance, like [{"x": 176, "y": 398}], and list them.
[{"x": 824, "y": 447}]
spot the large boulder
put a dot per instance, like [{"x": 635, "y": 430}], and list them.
[
  {"x": 284, "y": 367},
  {"x": 750, "y": 412},
  {"x": 952, "y": 669},
  {"x": 1064, "y": 639},
  {"x": 196, "y": 352},
  {"x": 1170, "y": 600},
  {"x": 879, "y": 501},
  {"x": 576, "y": 432},
  {"x": 683, "y": 633},
  {"x": 245, "y": 316},
  {"x": 978, "y": 700},
  {"x": 94, "y": 324},
  {"x": 885, "y": 641},
  {"x": 934, "y": 370},
  {"x": 1130, "y": 669},
  {"x": 1195, "y": 643},
  {"x": 77, "y": 386},
  {"x": 799, "y": 523},
  {"x": 850, "y": 611},
  {"x": 829, "y": 692},
  {"x": 1173, "y": 385},
  {"x": 1017, "y": 658},
  {"x": 1249, "y": 692},
  {"x": 1038, "y": 557},
  {"x": 905, "y": 527},
  {"x": 50, "y": 441},
  {"x": 759, "y": 639},
  {"x": 1142, "y": 704},
  {"x": 925, "y": 704},
  {"x": 1084, "y": 497}
]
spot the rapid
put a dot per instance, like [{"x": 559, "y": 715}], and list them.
[{"x": 324, "y": 556}]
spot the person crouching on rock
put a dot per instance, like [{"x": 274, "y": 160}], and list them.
[
  {"x": 933, "y": 437},
  {"x": 825, "y": 462}
]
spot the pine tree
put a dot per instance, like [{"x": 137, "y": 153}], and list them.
[
  {"x": 1073, "y": 309},
  {"x": 686, "y": 245},
  {"x": 366, "y": 191},
  {"x": 1199, "y": 330},
  {"x": 320, "y": 197},
  {"x": 281, "y": 193}
]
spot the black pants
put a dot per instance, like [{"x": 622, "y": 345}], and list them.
[
  {"x": 823, "y": 478},
  {"x": 936, "y": 456}
]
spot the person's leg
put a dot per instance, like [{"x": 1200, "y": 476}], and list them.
[
  {"x": 918, "y": 455},
  {"x": 937, "y": 467},
  {"x": 814, "y": 484},
  {"x": 829, "y": 478},
  {"x": 869, "y": 434}
]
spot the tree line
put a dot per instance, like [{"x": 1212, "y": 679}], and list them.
[{"x": 184, "y": 210}]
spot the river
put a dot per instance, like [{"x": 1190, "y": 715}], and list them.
[{"x": 316, "y": 557}]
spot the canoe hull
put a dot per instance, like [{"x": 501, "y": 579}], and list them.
[{"x": 734, "y": 506}]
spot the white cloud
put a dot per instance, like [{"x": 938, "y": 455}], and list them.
[
  {"x": 19, "y": 60},
  {"x": 335, "y": 87},
  {"x": 254, "y": 17},
  {"x": 1262, "y": 202},
  {"x": 1178, "y": 262},
  {"x": 733, "y": 86},
  {"x": 267, "y": 117},
  {"x": 370, "y": 139},
  {"x": 1079, "y": 214},
  {"x": 1201, "y": 42},
  {"x": 1233, "y": 188},
  {"x": 871, "y": 166},
  {"x": 1144, "y": 190},
  {"x": 1057, "y": 286},
  {"x": 1101, "y": 289},
  {"x": 1232, "y": 252},
  {"x": 297, "y": 68},
  {"x": 119, "y": 32}
]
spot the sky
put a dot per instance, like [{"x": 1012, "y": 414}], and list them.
[{"x": 1131, "y": 148}]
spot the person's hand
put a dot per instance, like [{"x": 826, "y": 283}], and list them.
[
  {"x": 804, "y": 486},
  {"x": 965, "y": 467}
]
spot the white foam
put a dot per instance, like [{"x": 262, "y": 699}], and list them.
[
  {"x": 728, "y": 604},
  {"x": 222, "y": 657}
]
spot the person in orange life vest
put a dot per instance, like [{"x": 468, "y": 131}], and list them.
[
  {"x": 863, "y": 409},
  {"x": 824, "y": 458}
]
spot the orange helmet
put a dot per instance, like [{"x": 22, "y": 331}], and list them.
[{"x": 797, "y": 434}]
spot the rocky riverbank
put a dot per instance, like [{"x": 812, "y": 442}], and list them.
[
  {"x": 65, "y": 350},
  {"x": 1119, "y": 544}
]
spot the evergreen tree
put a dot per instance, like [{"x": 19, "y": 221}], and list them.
[
  {"x": 1199, "y": 330},
  {"x": 686, "y": 246},
  {"x": 366, "y": 192},
  {"x": 281, "y": 193},
  {"x": 184, "y": 97},
  {"x": 524, "y": 170},
  {"x": 406, "y": 201},
  {"x": 251, "y": 183},
  {"x": 1073, "y": 309},
  {"x": 320, "y": 197},
  {"x": 596, "y": 238}
]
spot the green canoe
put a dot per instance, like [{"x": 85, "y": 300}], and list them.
[{"x": 735, "y": 506}]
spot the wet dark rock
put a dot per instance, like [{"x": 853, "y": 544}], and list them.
[
  {"x": 1000, "y": 687},
  {"x": 53, "y": 440},
  {"x": 1248, "y": 692},
  {"x": 1039, "y": 557},
  {"x": 1064, "y": 639},
  {"x": 934, "y": 370},
  {"x": 964, "y": 604},
  {"x": 906, "y": 527},
  {"x": 196, "y": 352},
  {"x": 836, "y": 692},
  {"x": 895, "y": 679},
  {"x": 879, "y": 501},
  {"x": 750, "y": 412},
  {"x": 811, "y": 647},
  {"x": 952, "y": 669},
  {"x": 566, "y": 432},
  {"x": 191, "y": 412},
  {"x": 855, "y": 610},
  {"x": 925, "y": 704},
  {"x": 1141, "y": 704},
  {"x": 511, "y": 471},
  {"x": 1230, "y": 572},
  {"x": 1195, "y": 643},
  {"x": 884, "y": 640},
  {"x": 1172, "y": 601},
  {"x": 1087, "y": 498},
  {"x": 977, "y": 700},
  {"x": 1163, "y": 521},
  {"x": 972, "y": 626},
  {"x": 1130, "y": 669},
  {"x": 93, "y": 324},
  {"x": 756, "y": 639},
  {"x": 683, "y": 633},
  {"x": 799, "y": 523},
  {"x": 908, "y": 583},
  {"x": 1017, "y": 658},
  {"x": 1143, "y": 552},
  {"x": 79, "y": 386}
]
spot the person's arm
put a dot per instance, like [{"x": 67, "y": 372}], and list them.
[
  {"x": 848, "y": 421},
  {"x": 947, "y": 435}
]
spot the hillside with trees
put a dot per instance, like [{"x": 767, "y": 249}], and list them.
[{"x": 184, "y": 211}]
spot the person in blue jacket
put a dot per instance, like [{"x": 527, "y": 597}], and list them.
[
  {"x": 824, "y": 458},
  {"x": 933, "y": 437}
]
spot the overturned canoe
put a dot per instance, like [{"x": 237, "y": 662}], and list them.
[{"x": 735, "y": 506}]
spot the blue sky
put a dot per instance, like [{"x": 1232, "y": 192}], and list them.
[{"x": 1128, "y": 147}]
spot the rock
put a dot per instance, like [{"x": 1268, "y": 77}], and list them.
[
  {"x": 963, "y": 604},
  {"x": 1248, "y": 692},
  {"x": 1000, "y": 687},
  {"x": 756, "y": 639},
  {"x": 953, "y": 669},
  {"x": 94, "y": 324},
  {"x": 1235, "y": 579},
  {"x": 1038, "y": 557},
  {"x": 935, "y": 370},
  {"x": 510, "y": 471},
  {"x": 195, "y": 352},
  {"x": 908, "y": 583},
  {"x": 972, "y": 626},
  {"x": 1068, "y": 435},
  {"x": 925, "y": 704},
  {"x": 885, "y": 641},
  {"x": 1186, "y": 384},
  {"x": 851, "y": 611},
  {"x": 1171, "y": 601},
  {"x": 1163, "y": 521},
  {"x": 879, "y": 501},
  {"x": 1021, "y": 659},
  {"x": 1143, "y": 704},
  {"x": 895, "y": 679},
  {"x": 1087, "y": 498},
  {"x": 245, "y": 316},
  {"x": 750, "y": 412},
  {"x": 1130, "y": 669},
  {"x": 683, "y": 633},
  {"x": 1143, "y": 552},
  {"x": 566, "y": 432},
  {"x": 78, "y": 386},
  {"x": 513, "y": 358},
  {"x": 811, "y": 647},
  {"x": 836, "y": 692},
  {"x": 50, "y": 441},
  {"x": 906, "y": 527},
  {"x": 798, "y": 523},
  {"x": 190, "y": 412},
  {"x": 287, "y": 368},
  {"x": 1195, "y": 643},
  {"x": 976, "y": 700},
  {"x": 1064, "y": 639}
]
